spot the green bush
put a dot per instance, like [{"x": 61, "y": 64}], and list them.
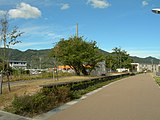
[
  {"x": 75, "y": 94},
  {"x": 29, "y": 105},
  {"x": 157, "y": 80},
  {"x": 41, "y": 102}
]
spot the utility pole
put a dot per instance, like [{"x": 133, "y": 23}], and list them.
[
  {"x": 77, "y": 30},
  {"x": 40, "y": 60}
]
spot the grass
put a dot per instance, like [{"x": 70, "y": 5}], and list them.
[
  {"x": 157, "y": 80},
  {"x": 33, "y": 77},
  {"x": 30, "y": 88}
]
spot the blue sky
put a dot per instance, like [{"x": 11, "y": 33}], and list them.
[{"x": 128, "y": 24}]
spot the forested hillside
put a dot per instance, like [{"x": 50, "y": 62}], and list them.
[
  {"x": 34, "y": 58},
  {"x": 41, "y": 59}
]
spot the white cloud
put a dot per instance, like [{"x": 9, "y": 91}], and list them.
[
  {"x": 2, "y": 12},
  {"x": 144, "y": 52},
  {"x": 65, "y": 6},
  {"x": 99, "y": 3},
  {"x": 28, "y": 44},
  {"x": 32, "y": 45},
  {"x": 145, "y": 3},
  {"x": 24, "y": 10}
]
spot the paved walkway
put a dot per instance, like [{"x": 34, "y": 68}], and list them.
[
  {"x": 134, "y": 98},
  {"x": 10, "y": 116}
]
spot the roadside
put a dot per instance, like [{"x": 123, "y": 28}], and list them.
[
  {"x": 10, "y": 116},
  {"x": 133, "y": 98},
  {"x": 30, "y": 87}
]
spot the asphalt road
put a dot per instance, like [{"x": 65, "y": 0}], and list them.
[{"x": 133, "y": 98}]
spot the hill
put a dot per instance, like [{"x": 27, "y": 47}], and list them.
[
  {"x": 41, "y": 59},
  {"x": 34, "y": 58},
  {"x": 147, "y": 60}
]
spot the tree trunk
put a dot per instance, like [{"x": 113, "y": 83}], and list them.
[
  {"x": 1, "y": 82},
  {"x": 9, "y": 87},
  {"x": 77, "y": 71},
  {"x": 8, "y": 81},
  {"x": 84, "y": 70}
]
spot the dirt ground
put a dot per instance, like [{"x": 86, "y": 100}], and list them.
[{"x": 30, "y": 87}]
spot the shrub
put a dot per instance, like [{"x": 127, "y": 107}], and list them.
[
  {"x": 75, "y": 94},
  {"x": 29, "y": 104},
  {"x": 41, "y": 102}
]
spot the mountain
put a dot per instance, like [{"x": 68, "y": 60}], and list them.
[
  {"x": 147, "y": 60},
  {"x": 34, "y": 58},
  {"x": 41, "y": 59}
]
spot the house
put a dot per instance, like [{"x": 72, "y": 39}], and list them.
[
  {"x": 139, "y": 67},
  {"x": 135, "y": 67},
  {"x": 18, "y": 64}
]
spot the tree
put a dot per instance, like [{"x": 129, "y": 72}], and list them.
[
  {"x": 109, "y": 62},
  {"x": 77, "y": 53},
  {"x": 118, "y": 59},
  {"x": 1, "y": 64},
  {"x": 8, "y": 38}
]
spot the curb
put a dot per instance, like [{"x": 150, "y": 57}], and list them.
[{"x": 9, "y": 116}]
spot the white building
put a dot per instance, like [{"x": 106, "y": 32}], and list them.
[
  {"x": 137, "y": 67},
  {"x": 122, "y": 70},
  {"x": 18, "y": 64}
]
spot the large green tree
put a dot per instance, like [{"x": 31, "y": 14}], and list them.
[
  {"x": 78, "y": 53},
  {"x": 118, "y": 59}
]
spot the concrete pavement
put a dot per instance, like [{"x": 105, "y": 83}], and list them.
[
  {"x": 10, "y": 116},
  {"x": 133, "y": 98}
]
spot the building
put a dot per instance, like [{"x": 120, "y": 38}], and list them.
[
  {"x": 100, "y": 69},
  {"x": 18, "y": 64},
  {"x": 149, "y": 67},
  {"x": 137, "y": 67}
]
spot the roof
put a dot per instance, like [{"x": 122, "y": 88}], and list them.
[{"x": 16, "y": 61}]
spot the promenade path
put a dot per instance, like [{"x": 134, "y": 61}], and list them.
[{"x": 133, "y": 98}]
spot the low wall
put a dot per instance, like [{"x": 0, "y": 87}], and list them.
[{"x": 81, "y": 84}]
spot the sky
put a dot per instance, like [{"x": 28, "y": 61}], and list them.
[{"x": 128, "y": 24}]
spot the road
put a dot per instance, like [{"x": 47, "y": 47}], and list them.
[{"x": 133, "y": 98}]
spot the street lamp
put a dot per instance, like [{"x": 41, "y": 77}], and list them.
[{"x": 156, "y": 10}]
